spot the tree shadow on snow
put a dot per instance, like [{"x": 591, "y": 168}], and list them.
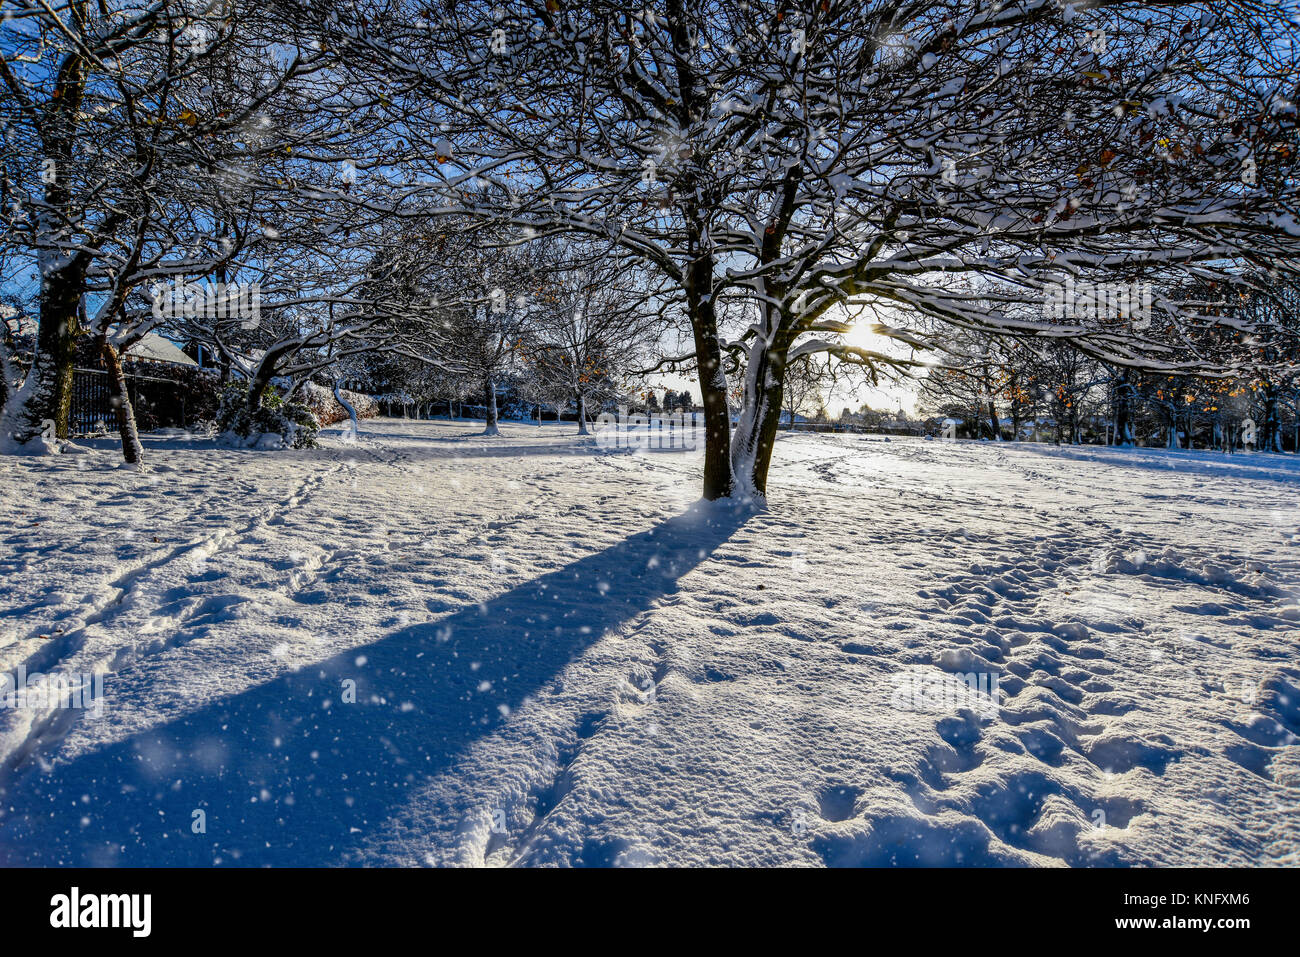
[{"x": 288, "y": 774}]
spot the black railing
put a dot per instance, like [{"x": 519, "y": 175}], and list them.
[{"x": 158, "y": 402}]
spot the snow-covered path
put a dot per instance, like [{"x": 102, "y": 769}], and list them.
[{"x": 559, "y": 657}]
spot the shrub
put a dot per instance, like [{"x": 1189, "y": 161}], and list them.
[
  {"x": 276, "y": 424},
  {"x": 320, "y": 399}
]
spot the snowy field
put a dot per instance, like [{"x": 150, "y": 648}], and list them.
[{"x": 430, "y": 647}]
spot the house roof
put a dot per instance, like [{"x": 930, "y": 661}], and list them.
[{"x": 154, "y": 348}]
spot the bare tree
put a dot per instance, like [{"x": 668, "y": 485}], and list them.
[
  {"x": 594, "y": 328},
  {"x": 488, "y": 330},
  {"x": 940, "y": 159},
  {"x": 806, "y": 379},
  {"x": 121, "y": 124}
]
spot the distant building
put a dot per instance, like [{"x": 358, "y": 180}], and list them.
[{"x": 154, "y": 348}]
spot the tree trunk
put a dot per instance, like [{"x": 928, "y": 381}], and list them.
[
  {"x": 1272, "y": 438},
  {"x": 1296, "y": 409},
  {"x": 352, "y": 413},
  {"x": 46, "y": 394},
  {"x": 751, "y": 447},
  {"x": 132, "y": 449},
  {"x": 1124, "y": 411},
  {"x": 59, "y": 347},
  {"x": 713, "y": 379},
  {"x": 260, "y": 382},
  {"x": 582, "y": 414},
  {"x": 490, "y": 403},
  {"x": 8, "y": 367}
]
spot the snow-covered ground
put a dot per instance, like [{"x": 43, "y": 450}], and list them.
[{"x": 559, "y": 657}]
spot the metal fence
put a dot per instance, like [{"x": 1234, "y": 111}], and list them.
[{"x": 158, "y": 402}]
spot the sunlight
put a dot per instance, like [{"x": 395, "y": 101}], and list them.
[
  {"x": 889, "y": 394},
  {"x": 863, "y": 335}
]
